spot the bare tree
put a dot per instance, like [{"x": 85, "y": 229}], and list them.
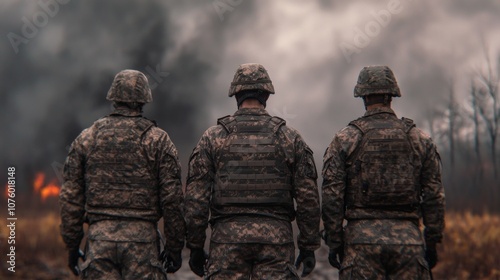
[
  {"x": 452, "y": 120},
  {"x": 477, "y": 140},
  {"x": 489, "y": 104}
]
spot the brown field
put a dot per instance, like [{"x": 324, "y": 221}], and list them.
[
  {"x": 471, "y": 247},
  {"x": 471, "y": 250}
]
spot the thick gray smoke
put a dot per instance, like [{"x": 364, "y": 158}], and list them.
[
  {"x": 55, "y": 85},
  {"x": 55, "y": 74}
]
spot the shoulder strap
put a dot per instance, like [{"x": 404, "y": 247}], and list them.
[
  {"x": 153, "y": 121},
  {"x": 228, "y": 123},
  {"x": 359, "y": 124},
  {"x": 143, "y": 125},
  {"x": 276, "y": 123},
  {"x": 409, "y": 124}
]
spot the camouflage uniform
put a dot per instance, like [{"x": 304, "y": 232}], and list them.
[
  {"x": 382, "y": 238},
  {"x": 121, "y": 176},
  {"x": 244, "y": 175}
]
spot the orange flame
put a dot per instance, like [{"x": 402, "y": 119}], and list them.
[
  {"x": 46, "y": 190},
  {"x": 38, "y": 182},
  {"x": 49, "y": 190}
]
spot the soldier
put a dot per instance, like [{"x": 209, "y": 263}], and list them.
[
  {"x": 245, "y": 174},
  {"x": 382, "y": 174},
  {"x": 121, "y": 176}
]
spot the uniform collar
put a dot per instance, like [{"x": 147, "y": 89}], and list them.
[
  {"x": 379, "y": 110},
  {"x": 126, "y": 112},
  {"x": 251, "y": 111}
]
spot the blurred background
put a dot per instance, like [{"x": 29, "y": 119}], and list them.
[{"x": 58, "y": 59}]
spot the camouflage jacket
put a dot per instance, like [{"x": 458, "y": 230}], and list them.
[
  {"x": 126, "y": 225},
  {"x": 378, "y": 226},
  {"x": 272, "y": 228}
]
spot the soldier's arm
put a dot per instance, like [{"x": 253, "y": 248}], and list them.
[
  {"x": 72, "y": 196},
  {"x": 171, "y": 197},
  {"x": 335, "y": 181},
  {"x": 333, "y": 189},
  {"x": 306, "y": 197},
  {"x": 198, "y": 190},
  {"x": 433, "y": 202}
]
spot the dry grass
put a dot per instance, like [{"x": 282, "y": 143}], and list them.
[
  {"x": 40, "y": 250},
  {"x": 471, "y": 249}
]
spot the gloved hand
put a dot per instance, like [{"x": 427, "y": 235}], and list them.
[
  {"x": 308, "y": 259},
  {"x": 73, "y": 256},
  {"x": 197, "y": 260},
  {"x": 336, "y": 256},
  {"x": 172, "y": 261},
  {"x": 431, "y": 255}
]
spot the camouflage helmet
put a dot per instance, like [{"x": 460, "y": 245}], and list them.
[
  {"x": 251, "y": 76},
  {"x": 376, "y": 80},
  {"x": 130, "y": 86}
]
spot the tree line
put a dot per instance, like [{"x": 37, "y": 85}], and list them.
[{"x": 466, "y": 131}]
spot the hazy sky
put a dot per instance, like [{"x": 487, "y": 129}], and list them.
[{"x": 58, "y": 59}]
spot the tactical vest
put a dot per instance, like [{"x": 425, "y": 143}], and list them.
[
  {"x": 119, "y": 181},
  {"x": 252, "y": 169},
  {"x": 381, "y": 171}
]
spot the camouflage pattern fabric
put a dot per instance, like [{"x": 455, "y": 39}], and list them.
[
  {"x": 384, "y": 262},
  {"x": 383, "y": 231},
  {"x": 118, "y": 176},
  {"x": 251, "y": 171},
  {"x": 123, "y": 230},
  {"x": 161, "y": 156},
  {"x": 382, "y": 172},
  {"x": 251, "y": 76},
  {"x": 130, "y": 86},
  {"x": 258, "y": 261},
  {"x": 108, "y": 260},
  {"x": 265, "y": 224},
  {"x": 252, "y": 229},
  {"x": 402, "y": 229},
  {"x": 376, "y": 80}
]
